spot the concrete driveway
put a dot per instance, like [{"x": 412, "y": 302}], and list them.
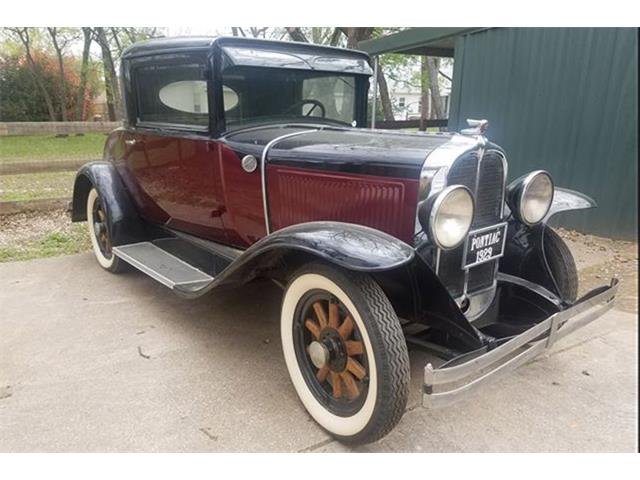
[{"x": 91, "y": 361}]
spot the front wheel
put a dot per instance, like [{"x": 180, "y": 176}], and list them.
[{"x": 345, "y": 352}]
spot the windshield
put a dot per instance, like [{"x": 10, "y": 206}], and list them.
[{"x": 257, "y": 94}]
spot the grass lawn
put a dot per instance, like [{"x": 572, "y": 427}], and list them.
[
  {"x": 33, "y": 186},
  {"x": 49, "y": 147}
]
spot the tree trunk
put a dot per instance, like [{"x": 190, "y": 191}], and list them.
[
  {"x": 23, "y": 35},
  {"x": 82, "y": 88},
  {"x": 424, "y": 94},
  {"x": 296, "y": 34},
  {"x": 356, "y": 35},
  {"x": 110, "y": 78},
  {"x": 335, "y": 37},
  {"x": 433, "y": 65},
  {"x": 62, "y": 93},
  {"x": 385, "y": 100}
]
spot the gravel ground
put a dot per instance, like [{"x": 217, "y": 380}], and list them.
[
  {"x": 24, "y": 236},
  {"x": 598, "y": 259}
]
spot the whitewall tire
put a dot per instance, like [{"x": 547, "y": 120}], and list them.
[
  {"x": 354, "y": 384},
  {"x": 99, "y": 234}
]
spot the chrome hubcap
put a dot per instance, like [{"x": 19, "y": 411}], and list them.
[{"x": 319, "y": 354}]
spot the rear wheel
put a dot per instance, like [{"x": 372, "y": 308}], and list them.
[
  {"x": 345, "y": 352},
  {"x": 97, "y": 222}
]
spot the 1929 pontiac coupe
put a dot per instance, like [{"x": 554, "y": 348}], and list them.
[{"x": 245, "y": 158}]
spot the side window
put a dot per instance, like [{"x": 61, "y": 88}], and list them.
[{"x": 172, "y": 94}]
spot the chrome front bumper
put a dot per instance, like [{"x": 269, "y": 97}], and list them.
[{"x": 444, "y": 386}]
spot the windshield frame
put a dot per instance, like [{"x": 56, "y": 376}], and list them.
[{"x": 217, "y": 103}]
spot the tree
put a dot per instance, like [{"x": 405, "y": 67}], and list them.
[
  {"x": 61, "y": 38},
  {"x": 433, "y": 68},
  {"x": 424, "y": 95},
  {"x": 112, "y": 42},
  {"x": 24, "y": 36},
  {"x": 20, "y": 98},
  {"x": 87, "y": 34},
  {"x": 110, "y": 78},
  {"x": 356, "y": 35},
  {"x": 296, "y": 34}
]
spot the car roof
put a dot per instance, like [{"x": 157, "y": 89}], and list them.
[{"x": 186, "y": 44}]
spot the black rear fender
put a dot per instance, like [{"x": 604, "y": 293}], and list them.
[{"x": 125, "y": 225}]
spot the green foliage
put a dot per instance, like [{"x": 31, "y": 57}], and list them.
[{"x": 20, "y": 98}]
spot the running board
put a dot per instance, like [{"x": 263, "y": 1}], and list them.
[{"x": 162, "y": 266}]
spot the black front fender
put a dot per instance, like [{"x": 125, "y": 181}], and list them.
[
  {"x": 565, "y": 200},
  {"x": 524, "y": 255},
  {"x": 125, "y": 225},
  {"x": 353, "y": 247}
]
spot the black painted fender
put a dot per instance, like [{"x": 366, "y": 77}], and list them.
[
  {"x": 524, "y": 255},
  {"x": 124, "y": 223},
  {"x": 349, "y": 246}
]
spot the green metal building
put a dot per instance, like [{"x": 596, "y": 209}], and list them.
[{"x": 560, "y": 99}]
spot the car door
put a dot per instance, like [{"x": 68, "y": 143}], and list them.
[{"x": 179, "y": 169}]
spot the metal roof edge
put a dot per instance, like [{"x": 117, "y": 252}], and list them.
[{"x": 412, "y": 38}]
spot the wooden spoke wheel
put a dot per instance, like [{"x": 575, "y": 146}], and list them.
[
  {"x": 345, "y": 352},
  {"x": 98, "y": 224},
  {"x": 334, "y": 354}
]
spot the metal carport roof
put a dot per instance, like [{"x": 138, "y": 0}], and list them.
[{"x": 430, "y": 41}]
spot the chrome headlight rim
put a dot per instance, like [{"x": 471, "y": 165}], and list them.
[
  {"x": 527, "y": 181},
  {"x": 435, "y": 208}
]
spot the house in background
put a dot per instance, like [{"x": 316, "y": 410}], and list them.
[
  {"x": 407, "y": 102},
  {"x": 562, "y": 98}
]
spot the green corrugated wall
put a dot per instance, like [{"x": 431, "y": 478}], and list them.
[{"x": 564, "y": 100}]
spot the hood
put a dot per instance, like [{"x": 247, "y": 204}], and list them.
[{"x": 372, "y": 152}]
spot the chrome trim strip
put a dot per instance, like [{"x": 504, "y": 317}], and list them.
[
  {"x": 263, "y": 173},
  {"x": 535, "y": 340},
  {"x": 278, "y": 126},
  {"x": 447, "y": 153}
]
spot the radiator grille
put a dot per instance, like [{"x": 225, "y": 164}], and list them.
[{"x": 488, "y": 201}]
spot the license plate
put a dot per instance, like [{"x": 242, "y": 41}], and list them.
[{"x": 483, "y": 245}]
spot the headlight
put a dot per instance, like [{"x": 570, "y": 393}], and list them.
[
  {"x": 530, "y": 197},
  {"x": 448, "y": 217}
]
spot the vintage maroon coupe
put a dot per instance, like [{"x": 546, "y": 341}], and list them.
[{"x": 247, "y": 158}]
